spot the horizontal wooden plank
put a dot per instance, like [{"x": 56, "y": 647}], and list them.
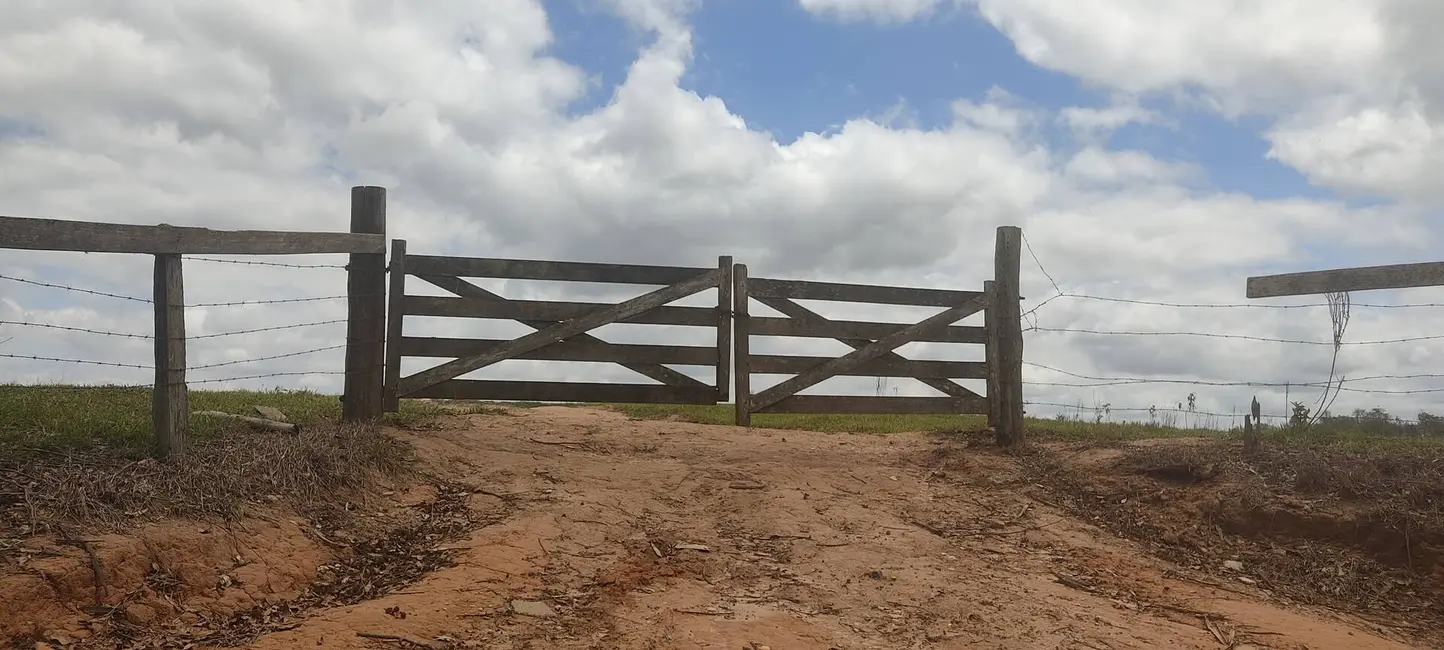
[
  {"x": 569, "y": 350},
  {"x": 883, "y": 367},
  {"x": 878, "y": 295},
  {"x": 562, "y": 391},
  {"x": 1364, "y": 278},
  {"x": 846, "y": 404},
  {"x": 545, "y": 310},
  {"x": 489, "y": 267},
  {"x": 93, "y": 237},
  {"x": 768, "y": 326}
]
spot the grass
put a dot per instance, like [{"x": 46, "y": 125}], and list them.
[{"x": 40, "y": 419}]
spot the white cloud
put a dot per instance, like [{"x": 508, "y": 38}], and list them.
[
  {"x": 882, "y": 11},
  {"x": 228, "y": 115}
]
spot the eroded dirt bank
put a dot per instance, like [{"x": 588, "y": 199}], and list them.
[{"x": 577, "y": 528}]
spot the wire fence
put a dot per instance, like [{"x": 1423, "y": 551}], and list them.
[
  {"x": 16, "y": 330},
  {"x": 1303, "y": 400},
  {"x": 1061, "y": 393}
]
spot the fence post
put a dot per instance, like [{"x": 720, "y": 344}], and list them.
[
  {"x": 366, "y": 312},
  {"x": 742, "y": 347},
  {"x": 724, "y": 328},
  {"x": 990, "y": 351},
  {"x": 391, "y": 399},
  {"x": 170, "y": 404},
  {"x": 1008, "y": 321}
]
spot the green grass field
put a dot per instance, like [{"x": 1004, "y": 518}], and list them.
[
  {"x": 40, "y": 419},
  {"x": 37, "y": 419}
]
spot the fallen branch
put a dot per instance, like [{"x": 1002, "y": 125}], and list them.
[{"x": 261, "y": 423}]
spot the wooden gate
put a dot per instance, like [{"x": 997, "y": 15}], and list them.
[
  {"x": 873, "y": 346},
  {"x": 561, "y": 330}
]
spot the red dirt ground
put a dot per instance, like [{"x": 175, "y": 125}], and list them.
[{"x": 647, "y": 534}]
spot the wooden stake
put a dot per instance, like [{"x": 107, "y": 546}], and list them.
[{"x": 366, "y": 312}]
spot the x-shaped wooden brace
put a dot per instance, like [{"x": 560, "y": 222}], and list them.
[
  {"x": 864, "y": 350},
  {"x": 549, "y": 332}
]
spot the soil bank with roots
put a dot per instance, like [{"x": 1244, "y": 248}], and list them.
[{"x": 578, "y": 528}]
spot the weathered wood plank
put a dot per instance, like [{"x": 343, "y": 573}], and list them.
[
  {"x": 848, "y": 404},
  {"x": 863, "y": 293},
  {"x": 842, "y": 329},
  {"x": 547, "y": 391},
  {"x": 569, "y": 350},
  {"x": 1008, "y": 320},
  {"x": 724, "y": 328},
  {"x": 883, "y": 367},
  {"x": 1364, "y": 278},
  {"x": 539, "y": 310},
  {"x": 821, "y": 372},
  {"x": 806, "y": 315},
  {"x": 742, "y": 348},
  {"x": 487, "y": 267},
  {"x": 466, "y": 289},
  {"x": 365, "y": 378},
  {"x": 562, "y": 331},
  {"x": 395, "y": 321},
  {"x": 990, "y": 351},
  {"x": 170, "y": 402},
  {"x": 93, "y": 237}
]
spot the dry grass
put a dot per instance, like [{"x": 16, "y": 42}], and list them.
[{"x": 219, "y": 476}]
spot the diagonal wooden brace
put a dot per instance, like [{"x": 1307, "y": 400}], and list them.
[
  {"x": 884, "y": 345},
  {"x": 794, "y": 310},
  {"x": 655, "y": 371},
  {"x": 560, "y": 332}
]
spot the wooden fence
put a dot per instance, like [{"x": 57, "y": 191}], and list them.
[
  {"x": 373, "y": 379},
  {"x": 561, "y": 330},
  {"x": 366, "y": 287}
]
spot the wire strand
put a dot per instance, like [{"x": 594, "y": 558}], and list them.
[{"x": 75, "y": 289}]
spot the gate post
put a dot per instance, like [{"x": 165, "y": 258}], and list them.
[
  {"x": 1007, "y": 321},
  {"x": 742, "y": 347},
  {"x": 366, "y": 312},
  {"x": 395, "y": 313}
]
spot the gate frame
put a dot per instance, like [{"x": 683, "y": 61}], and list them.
[{"x": 561, "y": 330}]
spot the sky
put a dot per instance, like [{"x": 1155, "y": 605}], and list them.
[{"x": 1158, "y": 151}]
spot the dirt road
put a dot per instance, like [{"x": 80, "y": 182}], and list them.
[{"x": 631, "y": 534}]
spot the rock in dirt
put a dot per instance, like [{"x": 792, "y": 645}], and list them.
[
  {"x": 533, "y": 608},
  {"x": 1233, "y": 565}
]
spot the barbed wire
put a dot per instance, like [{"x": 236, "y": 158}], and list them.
[
  {"x": 79, "y": 361},
  {"x": 1236, "y": 305},
  {"x": 68, "y": 328},
  {"x": 288, "y": 265},
  {"x": 76, "y": 289},
  {"x": 269, "y": 358},
  {"x": 1243, "y": 337},
  {"x": 1152, "y": 409}
]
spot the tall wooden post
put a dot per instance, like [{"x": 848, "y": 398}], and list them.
[
  {"x": 366, "y": 312},
  {"x": 1008, "y": 321},
  {"x": 742, "y": 347},
  {"x": 724, "y": 328},
  {"x": 170, "y": 404}
]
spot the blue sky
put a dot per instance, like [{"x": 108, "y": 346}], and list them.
[{"x": 788, "y": 72}]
